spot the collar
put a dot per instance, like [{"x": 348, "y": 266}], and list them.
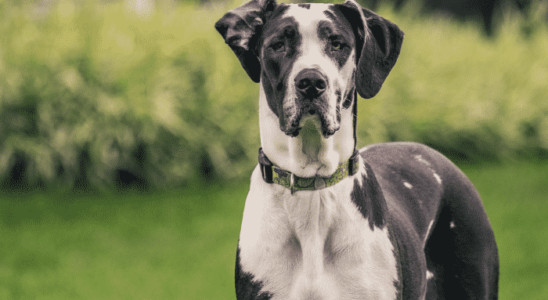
[{"x": 273, "y": 174}]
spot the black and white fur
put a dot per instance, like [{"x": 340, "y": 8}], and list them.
[{"x": 407, "y": 225}]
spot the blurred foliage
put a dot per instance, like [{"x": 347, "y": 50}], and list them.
[
  {"x": 96, "y": 95},
  {"x": 470, "y": 97}
]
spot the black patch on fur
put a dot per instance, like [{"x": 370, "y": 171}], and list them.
[
  {"x": 348, "y": 99},
  {"x": 277, "y": 65},
  {"x": 398, "y": 284},
  {"x": 246, "y": 287},
  {"x": 351, "y": 94},
  {"x": 338, "y": 112},
  {"x": 411, "y": 267},
  {"x": 337, "y": 31},
  {"x": 304, "y": 5},
  {"x": 369, "y": 198},
  {"x": 355, "y": 116}
]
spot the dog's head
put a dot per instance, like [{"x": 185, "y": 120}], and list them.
[{"x": 310, "y": 57}]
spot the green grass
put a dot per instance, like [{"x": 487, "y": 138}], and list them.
[
  {"x": 174, "y": 245},
  {"x": 516, "y": 199},
  {"x": 181, "y": 244}
]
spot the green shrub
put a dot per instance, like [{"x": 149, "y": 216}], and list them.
[
  {"x": 96, "y": 95},
  {"x": 93, "y": 94},
  {"x": 470, "y": 97}
]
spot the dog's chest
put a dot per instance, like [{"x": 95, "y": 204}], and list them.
[{"x": 314, "y": 245}]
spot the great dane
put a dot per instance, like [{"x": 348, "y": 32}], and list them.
[{"x": 322, "y": 220}]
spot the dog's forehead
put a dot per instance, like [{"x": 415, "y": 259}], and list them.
[
  {"x": 308, "y": 13},
  {"x": 306, "y": 17}
]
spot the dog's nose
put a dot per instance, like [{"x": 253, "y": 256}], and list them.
[{"x": 310, "y": 83}]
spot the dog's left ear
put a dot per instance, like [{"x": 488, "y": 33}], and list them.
[
  {"x": 240, "y": 28},
  {"x": 378, "y": 42}
]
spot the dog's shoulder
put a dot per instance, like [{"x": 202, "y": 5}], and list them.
[{"x": 408, "y": 161}]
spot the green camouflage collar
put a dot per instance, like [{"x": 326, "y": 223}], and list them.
[{"x": 273, "y": 174}]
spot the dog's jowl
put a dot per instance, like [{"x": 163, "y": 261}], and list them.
[{"x": 324, "y": 220}]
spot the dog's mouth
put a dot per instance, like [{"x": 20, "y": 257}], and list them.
[{"x": 293, "y": 120}]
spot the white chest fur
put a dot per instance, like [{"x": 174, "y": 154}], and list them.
[{"x": 314, "y": 245}]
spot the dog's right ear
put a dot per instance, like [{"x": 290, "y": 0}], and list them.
[{"x": 240, "y": 28}]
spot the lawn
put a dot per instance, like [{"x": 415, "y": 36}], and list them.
[{"x": 181, "y": 244}]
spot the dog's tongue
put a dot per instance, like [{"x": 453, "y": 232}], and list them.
[{"x": 312, "y": 140}]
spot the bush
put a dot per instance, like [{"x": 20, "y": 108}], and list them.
[
  {"x": 99, "y": 95},
  {"x": 95, "y": 95},
  {"x": 470, "y": 97}
]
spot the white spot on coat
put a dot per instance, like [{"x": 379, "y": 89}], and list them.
[
  {"x": 429, "y": 275},
  {"x": 452, "y": 225},
  {"x": 422, "y": 160},
  {"x": 438, "y": 178},
  {"x": 408, "y": 185},
  {"x": 428, "y": 231}
]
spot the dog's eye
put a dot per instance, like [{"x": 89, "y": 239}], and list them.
[
  {"x": 336, "y": 46},
  {"x": 278, "y": 46}
]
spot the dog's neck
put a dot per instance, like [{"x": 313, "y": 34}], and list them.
[{"x": 309, "y": 154}]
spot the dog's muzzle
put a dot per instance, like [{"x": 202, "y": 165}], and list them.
[{"x": 311, "y": 98}]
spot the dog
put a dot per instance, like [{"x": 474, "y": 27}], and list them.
[{"x": 323, "y": 220}]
